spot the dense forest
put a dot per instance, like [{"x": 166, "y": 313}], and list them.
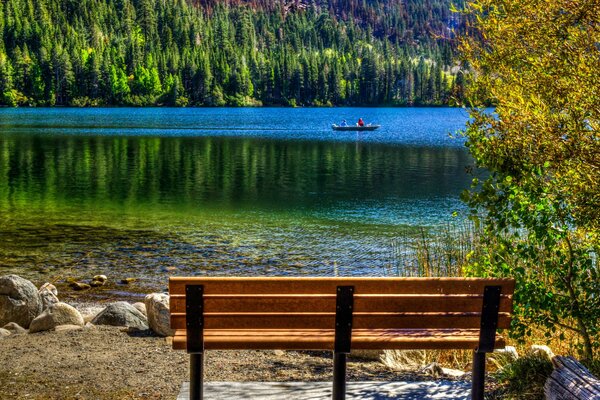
[{"x": 213, "y": 53}]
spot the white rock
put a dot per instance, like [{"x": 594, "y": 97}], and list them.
[
  {"x": 19, "y": 301},
  {"x": 159, "y": 316},
  {"x": 67, "y": 327},
  {"x": 55, "y": 315},
  {"x": 509, "y": 351},
  {"x": 541, "y": 350},
  {"x": 48, "y": 294},
  {"x": 141, "y": 307},
  {"x": 4, "y": 333},
  {"x": 453, "y": 373}
]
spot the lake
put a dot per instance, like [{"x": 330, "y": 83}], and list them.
[{"x": 148, "y": 193}]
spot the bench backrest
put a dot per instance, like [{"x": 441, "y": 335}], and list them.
[{"x": 310, "y": 303}]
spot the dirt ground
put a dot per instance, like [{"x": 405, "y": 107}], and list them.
[{"x": 110, "y": 363}]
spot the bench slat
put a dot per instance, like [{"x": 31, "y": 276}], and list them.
[
  {"x": 374, "y": 320},
  {"x": 278, "y": 285},
  {"x": 326, "y": 303},
  {"x": 319, "y": 339}
]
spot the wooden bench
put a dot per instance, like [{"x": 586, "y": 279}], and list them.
[{"x": 339, "y": 314}]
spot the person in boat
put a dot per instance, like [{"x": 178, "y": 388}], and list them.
[
  {"x": 360, "y": 122},
  {"x": 344, "y": 123}
]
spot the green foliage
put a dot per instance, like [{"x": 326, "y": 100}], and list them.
[
  {"x": 537, "y": 62},
  {"x": 126, "y": 52},
  {"x": 524, "y": 378}
]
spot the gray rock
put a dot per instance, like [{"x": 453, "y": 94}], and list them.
[
  {"x": 55, "y": 315},
  {"x": 141, "y": 307},
  {"x": 121, "y": 313},
  {"x": 14, "y": 328},
  {"x": 4, "y": 333},
  {"x": 48, "y": 294},
  {"x": 19, "y": 301},
  {"x": 159, "y": 316}
]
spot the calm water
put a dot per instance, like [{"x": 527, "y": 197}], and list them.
[{"x": 147, "y": 193}]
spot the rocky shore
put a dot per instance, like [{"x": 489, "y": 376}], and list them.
[{"x": 53, "y": 350}]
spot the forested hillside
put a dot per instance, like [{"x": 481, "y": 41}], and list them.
[{"x": 213, "y": 52}]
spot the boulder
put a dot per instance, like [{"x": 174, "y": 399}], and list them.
[
  {"x": 141, "y": 307},
  {"x": 14, "y": 328},
  {"x": 55, "y": 315},
  {"x": 19, "y": 301},
  {"x": 4, "y": 333},
  {"x": 121, "y": 313},
  {"x": 159, "y": 316},
  {"x": 48, "y": 294}
]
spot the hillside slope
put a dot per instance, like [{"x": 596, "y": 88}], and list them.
[{"x": 211, "y": 52}]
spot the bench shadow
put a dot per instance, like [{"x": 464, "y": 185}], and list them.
[{"x": 319, "y": 391}]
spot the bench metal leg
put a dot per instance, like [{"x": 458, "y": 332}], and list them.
[
  {"x": 196, "y": 376},
  {"x": 478, "y": 385},
  {"x": 339, "y": 376}
]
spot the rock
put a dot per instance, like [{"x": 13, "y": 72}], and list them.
[
  {"x": 452, "y": 373},
  {"x": 159, "y": 316},
  {"x": 67, "y": 327},
  {"x": 4, "y": 332},
  {"x": 96, "y": 283},
  {"x": 433, "y": 369},
  {"x": 55, "y": 315},
  {"x": 14, "y": 328},
  {"x": 48, "y": 294},
  {"x": 19, "y": 301},
  {"x": 89, "y": 325},
  {"x": 510, "y": 351},
  {"x": 79, "y": 286},
  {"x": 121, "y": 313},
  {"x": 279, "y": 353},
  {"x": 127, "y": 281},
  {"x": 141, "y": 307},
  {"x": 100, "y": 278},
  {"x": 540, "y": 350}
]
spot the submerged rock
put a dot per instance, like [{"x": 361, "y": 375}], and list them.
[
  {"x": 159, "y": 316},
  {"x": 121, "y": 313},
  {"x": 127, "y": 281},
  {"x": 20, "y": 301},
  {"x": 79, "y": 286},
  {"x": 55, "y": 315},
  {"x": 100, "y": 278}
]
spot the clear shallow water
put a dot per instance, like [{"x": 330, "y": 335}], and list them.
[{"x": 153, "y": 192}]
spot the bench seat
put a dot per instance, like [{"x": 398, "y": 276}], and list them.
[
  {"x": 324, "y": 339},
  {"x": 339, "y": 315}
]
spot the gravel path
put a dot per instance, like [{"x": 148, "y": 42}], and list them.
[{"x": 109, "y": 363}]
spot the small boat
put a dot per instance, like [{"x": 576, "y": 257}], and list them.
[{"x": 355, "y": 127}]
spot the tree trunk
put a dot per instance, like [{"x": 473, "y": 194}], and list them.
[{"x": 571, "y": 381}]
